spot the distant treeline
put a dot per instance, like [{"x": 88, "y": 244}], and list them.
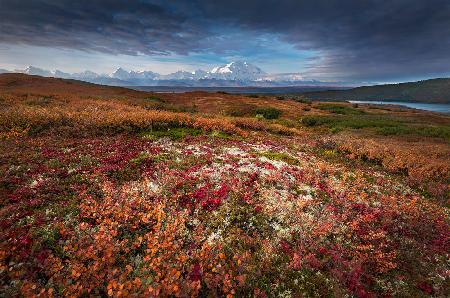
[{"x": 430, "y": 91}]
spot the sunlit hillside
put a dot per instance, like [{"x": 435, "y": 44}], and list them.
[{"x": 106, "y": 191}]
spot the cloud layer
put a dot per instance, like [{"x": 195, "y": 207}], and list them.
[{"x": 365, "y": 40}]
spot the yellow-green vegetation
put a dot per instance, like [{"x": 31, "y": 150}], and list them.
[
  {"x": 172, "y": 133},
  {"x": 379, "y": 123},
  {"x": 268, "y": 113},
  {"x": 339, "y": 109},
  {"x": 280, "y": 156}
]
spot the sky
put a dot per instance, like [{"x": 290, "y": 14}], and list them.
[{"x": 328, "y": 40}]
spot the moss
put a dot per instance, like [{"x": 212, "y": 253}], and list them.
[
  {"x": 222, "y": 135},
  {"x": 280, "y": 156}
]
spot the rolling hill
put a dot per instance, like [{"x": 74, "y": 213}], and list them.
[
  {"x": 111, "y": 191},
  {"x": 429, "y": 91}
]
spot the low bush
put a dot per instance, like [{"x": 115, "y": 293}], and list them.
[
  {"x": 339, "y": 109},
  {"x": 427, "y": 131},
  {"x": 103, "y": 118},
  {"x": 268, "y": 113},
  {"x": 253, "y": 95},
  {"x": 350, "y": 121},
  {"x": 172, "y": 133},
  {"x": 154, "y": 98},
  {"x": 242, "y": 110},
  {"x": 303, "y": 100},
  {"x": 310, "y": 121},
  {"x": 382, "y": 125}
]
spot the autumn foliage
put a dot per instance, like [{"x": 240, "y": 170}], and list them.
[{"x": 95, "y": 203}]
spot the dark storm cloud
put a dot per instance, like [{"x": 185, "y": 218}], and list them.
[
  {"x": 362, "y": 39},
  {"x": 119, "y": 27}
]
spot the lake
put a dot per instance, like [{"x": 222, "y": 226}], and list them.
[{"x": 433, "y": 107}]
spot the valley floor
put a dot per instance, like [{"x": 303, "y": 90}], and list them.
[{"x": 103, "y": 195}]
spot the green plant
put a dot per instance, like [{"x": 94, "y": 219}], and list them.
[
  {"x": 253, "y": 95},
  {"x": 280, "y": 156},
  {"x": 310, "y": 121},
  {"x": 303, "y": 100},
  {"x": 154, "y": 98},
  {"x": 173, "y": 133},
  {"x": 268, "y": 113},
  {"x": 259, "y": 117},
  {"x": 339, "y": 109}
]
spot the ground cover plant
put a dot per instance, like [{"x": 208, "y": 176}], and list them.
[{"x": 104, "y": 195}]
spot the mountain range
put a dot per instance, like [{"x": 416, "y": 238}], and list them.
[{"x": 233, "y": 74}]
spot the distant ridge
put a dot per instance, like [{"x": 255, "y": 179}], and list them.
[
  {"x": 233, "y": 74},
  {"x": 426, "y": 91}
]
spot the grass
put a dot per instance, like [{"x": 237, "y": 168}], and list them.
[
  {"x": 172, "y": 133},
  {"x": 383, "y": 125},
  {"x": 160, "y": 104},
  {"x": 350, "y": 121},
  {"x": 222, "y": 135},
  {"x": 178, "y": 133},
  {"x": 426, "y": 131},
  {"x": 253, "y": 110},
  {"x": 339, "y": 109},
  {"x": 154, "y": 98}
]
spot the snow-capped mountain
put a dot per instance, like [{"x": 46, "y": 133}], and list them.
[
  {"x": 124, "y": 75},
  {"x": 238, "y": 73},
  {"x": 86, "y": 75},
  {"x": 31, "y": 70},
  {"x": 282, "y": 77},
  {"x": 62, "y": 75},
  {"x": 239, "y": 70},
  {"x": 180, "y": 75}
]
